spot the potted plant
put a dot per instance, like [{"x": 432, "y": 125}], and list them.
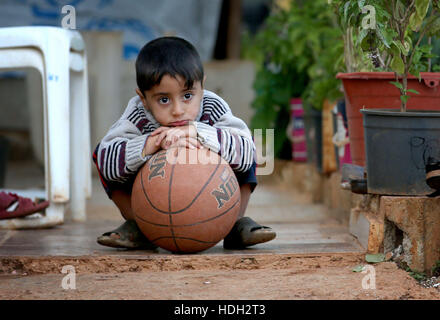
[
  {"x": 401, "y": 117},
  {"x": 386, "y": 41}
]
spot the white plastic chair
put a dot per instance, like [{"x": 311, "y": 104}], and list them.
[{"x": 59, "y": 55}]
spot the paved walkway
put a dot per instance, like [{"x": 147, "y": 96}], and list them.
[{"x": 302, "y": 227}]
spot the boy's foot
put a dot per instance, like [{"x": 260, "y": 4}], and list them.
[
  {"x": 128, "y": 236},
  {"x": 246, "y": 232}
]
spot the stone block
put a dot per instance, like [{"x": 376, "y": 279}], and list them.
[
  {"x": 367, "y": 222},
  {"x": 359, "y": 226},
  {"x": 419, "y": 220}
]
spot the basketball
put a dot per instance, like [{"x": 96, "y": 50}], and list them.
[{"x": 185, "y": 200}]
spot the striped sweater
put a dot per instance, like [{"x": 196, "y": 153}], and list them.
[{"x": 119, "y": 154}]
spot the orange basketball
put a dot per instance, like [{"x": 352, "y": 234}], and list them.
[{"x": 185, "y": 200}]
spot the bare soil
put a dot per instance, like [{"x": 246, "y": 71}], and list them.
[{"x": 273, "y": 277}]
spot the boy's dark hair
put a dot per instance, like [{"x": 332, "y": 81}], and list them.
[{"x": 167, "y": 56}]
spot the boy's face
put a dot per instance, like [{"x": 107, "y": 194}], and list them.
[{"x": 171, "y": 103}]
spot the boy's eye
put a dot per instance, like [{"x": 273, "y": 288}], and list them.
[
  {"x": 187, "y": 96},
  {"x": 164, "y": 100}
]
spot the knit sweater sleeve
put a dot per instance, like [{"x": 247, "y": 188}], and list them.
[
  {"x": 226, "y": 134},
  {"x": 119, "y": 155}
]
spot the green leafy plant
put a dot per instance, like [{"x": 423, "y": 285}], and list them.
[
  {"x": 435, "y": 270},
  {"x": 277, "y": 78},
  {"x": 318, "y": 42},
  {"x": 273, "y": 90},
  {"x": 348, "y": 14},
  {"x": 394, "y": 35},
  {"x": 298, "y": 54},
  {"x": 419, "y": 276}
]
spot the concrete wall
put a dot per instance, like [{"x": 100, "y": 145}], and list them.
[
  {"x": 104, "y": 56},
  {"x": 13, "y": 103},
  {"x": 15, "y": 119},
  {"x": 233, "y": 80}
]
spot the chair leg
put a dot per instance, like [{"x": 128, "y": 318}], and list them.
[
  {"x": 80, "y": 147},
  {"x": 35, "y": 101},
  {"x": 53, "y": 216},
  {"x": 58, "y": 124},
  {"x": 85, "y": 112}
]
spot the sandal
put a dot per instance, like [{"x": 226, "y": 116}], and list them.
[
  {"x": 15, "y": 206},
  {"x": 127, "y": 236},
  {"x": 246, "y": 232}
]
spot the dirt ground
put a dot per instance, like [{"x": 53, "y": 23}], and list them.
[
  {"x": 284, "y": 270},
  {"x": 287, "y": 277}
]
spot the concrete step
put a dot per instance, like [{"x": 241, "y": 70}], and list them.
[{"x": 303, "y": 228}]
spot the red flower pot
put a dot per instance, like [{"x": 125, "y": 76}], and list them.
[{"x": 373, "y": 90}]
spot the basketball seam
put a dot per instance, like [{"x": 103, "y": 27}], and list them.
[
  {"x": 192, "y": 202},
  {"x": 190, "y": 225},
  {"x": 169, "y": 206},
  {"x": 182, "y": 238}
]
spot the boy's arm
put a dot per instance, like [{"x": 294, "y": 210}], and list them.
[
  {"x": 150, "y": 146},
  {"x": 121, "y": 151},
  {"x": 230, "y": 138}
]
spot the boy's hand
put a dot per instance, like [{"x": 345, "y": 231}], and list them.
[
  {"x": 185, "y": 142},
  {"x": 159, "y": 134},
  {"x": 150, "y": 146},
  {"x": 168, "y": 136}
]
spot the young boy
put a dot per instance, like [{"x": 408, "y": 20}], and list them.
[{"x": 172, "y": 109}]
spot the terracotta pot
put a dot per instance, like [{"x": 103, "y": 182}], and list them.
[{"x": 373, "y": 90}]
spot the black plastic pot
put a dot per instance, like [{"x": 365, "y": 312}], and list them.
[
  {"x": 398, "y": 147},
  {"x": 4, "y": 154},
  {"x": 313, "y": 129}
]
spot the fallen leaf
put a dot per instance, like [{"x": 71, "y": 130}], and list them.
[
  {"x": 375, "y": 258},
  {"x": 358, "y": 268}
]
